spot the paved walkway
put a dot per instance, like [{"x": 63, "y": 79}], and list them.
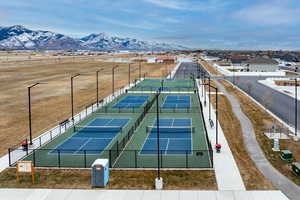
[
  {"x": 47, "y": 194},
  {"x": 226, "y": 170},
  {"x": 277, "y": 179}
]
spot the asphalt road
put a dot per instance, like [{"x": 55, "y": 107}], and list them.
[
  {"x": 188, "y": 70},
  {"x": 283, "y": 106},
  {"x": 290, "y": 69}
]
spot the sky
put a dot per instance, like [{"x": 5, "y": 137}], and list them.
[{"x": 205, "y": 24}]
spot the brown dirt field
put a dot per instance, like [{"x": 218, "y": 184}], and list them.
[
  {"x": 51, "y": 102},
  {"x": 252, "y": 177},
  {"x": 80, "y": 179},
  {"x": 209, "y": 68},
  {"x": 291, "y": 74},
  {"x": 255, "y": 112},
  {"x": 287, "y": 83}
]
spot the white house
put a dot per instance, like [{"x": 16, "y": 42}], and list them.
[{"x": 261, "y": 65}]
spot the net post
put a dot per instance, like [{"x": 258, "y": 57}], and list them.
[
  {"x": 84, "y": 154},
  {"x": 58, "y": 154}
]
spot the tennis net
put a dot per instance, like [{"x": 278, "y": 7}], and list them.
[
  {"x": 99, "y": 129},
  {"x": 170, "y": 129}
]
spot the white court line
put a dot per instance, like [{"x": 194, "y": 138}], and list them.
[
  {"x": 83, "y": 145},
  {"x": 167, "y": 146}
]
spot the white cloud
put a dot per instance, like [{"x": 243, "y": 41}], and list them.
[
  {"x": 141, "y": 25},
  {"x": 270, "y": 14},
  {"x": 189, "y": 5},
  {"x": 168, "y": 4}
]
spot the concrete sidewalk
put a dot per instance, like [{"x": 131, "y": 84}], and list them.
[
  {"x": 226, "y": 170},
  {"x": 50, "y": 194}
]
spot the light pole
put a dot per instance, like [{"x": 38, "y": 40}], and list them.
[
  {"x": 113, "y": 79},
  {"x": 97, "y": 85},
  {"x": 157, "y": 131},
  {"x": 72, "y": 100},
  {"x": 296, "y": 106},
  {"x": 29, "y": 110},
  {"x": 129, "y": 73},
  {"x": 140, "y": 67}
]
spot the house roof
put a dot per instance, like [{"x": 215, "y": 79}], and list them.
[
  {"x": 261, "y": 60},
  {"x": 165, "y": 58}
]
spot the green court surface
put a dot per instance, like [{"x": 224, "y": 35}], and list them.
[
  {"x": 199, "y": 157},
  {"x": 165, "y": 84},
  {"x": 124, "y": 148}
]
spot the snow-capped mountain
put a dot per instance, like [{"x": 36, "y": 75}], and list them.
[{"x": 19, "y": 37}]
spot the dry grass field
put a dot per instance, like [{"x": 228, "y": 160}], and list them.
[
  {"x": 287, "y": 83},
  {"x": 81, "y": 179},
  {"x": 51, "y": 102}
]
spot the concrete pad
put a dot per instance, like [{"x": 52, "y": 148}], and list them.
[
  {"x": 152, "y": 195},
  {"x": 12, "y": 194},
  {"x": 170, "y": 194},
  {"x": 274, "y": 195},
  {"x": 226, "y": 195},
  {"x": 40, "y": 194},
  {"x": 134, "y": 194},
  {"x": 207, "y": 195},
  {"x": 243, "y": 195},
  {"x": 190, "y": 195},
  {"x": 85, "y": 194},
  {"x": 112, "y": 194},
  {"x": 55, "y": 194}
]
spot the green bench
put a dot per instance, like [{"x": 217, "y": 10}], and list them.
[
  {"x": 286, "y": 155},
  {"x": 296, "y": 168}
]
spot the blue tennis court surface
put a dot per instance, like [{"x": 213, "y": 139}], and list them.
[
  {"x": 131, "y": 102},
  {"x": 179, "y": 102},
  {"x": 96, "y": 136},
  {"x": 175, "y": 137}
]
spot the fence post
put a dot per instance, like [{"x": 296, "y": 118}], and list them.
[
  {"x": 109, "y": 158},
  {"x": 118, "y": 148},
  {"x": 161, "y": 164},
  {"x": 58, "y": 158},
  {"x": 84, "y": 153},
  {"x": 9, "y": 158},
  {"x": 186, "y": 159},
  {"x": 27, "y": 147},
  {"x": 33, "y": 157},
  {"x": 135, "y": 156},
  {"x": 40, "y": 139}
]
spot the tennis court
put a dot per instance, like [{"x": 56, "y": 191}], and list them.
[
  {"x": 175, "y": 137},
  {"x": 131, "y": 101},
  {"x": 165, "y": 85},
  {"x": 95, "y": 136},
  {"x": 179, "y": 102}
]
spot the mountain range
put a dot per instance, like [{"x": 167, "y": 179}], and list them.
[{"x": 20, "y": 38}]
